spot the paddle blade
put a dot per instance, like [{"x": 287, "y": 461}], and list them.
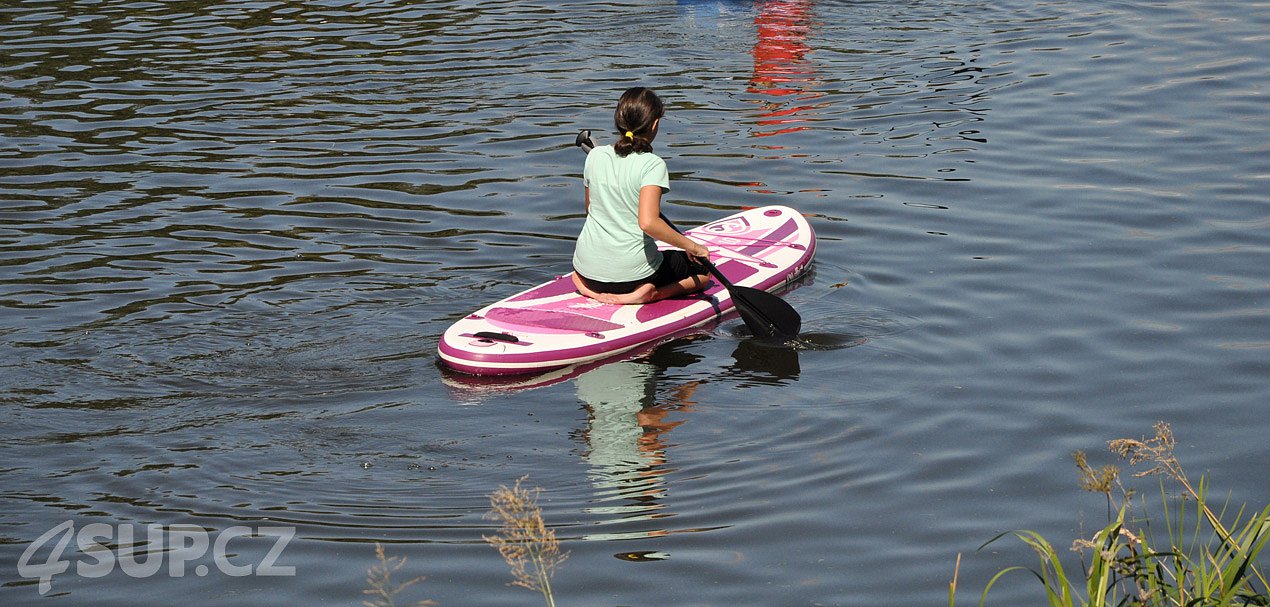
[{"x": 765, "y": 314}]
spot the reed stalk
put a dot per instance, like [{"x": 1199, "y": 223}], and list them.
[
  {"x": 523, "y": 540},
  {"x": 1201, "y": 560},
  {"x": 380, "y": 586}
]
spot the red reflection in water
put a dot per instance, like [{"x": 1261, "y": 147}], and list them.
[{"x": 781, "y": 69}]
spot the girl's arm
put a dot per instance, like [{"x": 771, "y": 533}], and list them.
[
  {"x": 586, "y": 199},
  {"x": 651, "y": 223}
]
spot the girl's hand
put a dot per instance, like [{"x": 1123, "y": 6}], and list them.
[{"x": 698, "y": 250}]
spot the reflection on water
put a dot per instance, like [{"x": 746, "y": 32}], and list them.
[
  {"x": 774, "y": 361},
  {"x": 230, "y": 233},
  {"x": 623, "y": 440},
  {"x": 631, "y": 408},
  {"x": 781, "y": 68},
  {"x": 633, "y": 405}
]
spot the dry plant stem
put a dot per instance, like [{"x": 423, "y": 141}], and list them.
[
  {"x": 1159, "y": 450},
  {"x": 1103, "y": 480},
  {"x": 524, "y": 540},
  {"x": 1201, "y": 562},
  {"x": 380, "y": 584}
]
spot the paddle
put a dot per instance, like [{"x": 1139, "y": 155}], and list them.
[
  {"x": 584, "y": 141},
  {"x": 765, "y": 314}
]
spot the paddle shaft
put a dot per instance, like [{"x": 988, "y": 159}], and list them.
[
  {"x": 765, "y": 314},
  {"x": 714, "y": 270}
]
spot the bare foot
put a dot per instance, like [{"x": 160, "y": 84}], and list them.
[
  {"x": 645, "y": 293},
  {"x": 607, "y": 298}
]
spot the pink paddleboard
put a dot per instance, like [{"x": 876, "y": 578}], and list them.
[{"x": 552, "y": 325}]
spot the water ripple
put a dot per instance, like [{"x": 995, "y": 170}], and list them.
[{"x": 230, "y": 233}]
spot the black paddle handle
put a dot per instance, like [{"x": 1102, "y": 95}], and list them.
[{"x": 584, "y": 141}]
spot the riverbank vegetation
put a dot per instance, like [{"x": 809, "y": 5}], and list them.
[
  {"x": 523, "y": 540},
  {"x": 1193, "y": 552}
]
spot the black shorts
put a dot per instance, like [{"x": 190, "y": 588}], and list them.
[{"x": 675, "y": 266}]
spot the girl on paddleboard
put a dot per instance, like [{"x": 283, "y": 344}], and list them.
[{"x": 616, "y": 260}]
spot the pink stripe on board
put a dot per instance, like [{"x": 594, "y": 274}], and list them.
[
  {"x": 659, "y": 309},
  {"x": 559, "y": 286},
  {"x": 541, "y": 361},
  {"x": 736, "y": 271},
  {"x": 786, "y": 229},
  {"x": 559, "y": 320}
]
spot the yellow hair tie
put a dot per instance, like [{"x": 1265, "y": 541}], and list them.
[{"x": 630, "y": 135}]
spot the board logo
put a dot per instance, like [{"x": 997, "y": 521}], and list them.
[{"x": 737, "y": 225}]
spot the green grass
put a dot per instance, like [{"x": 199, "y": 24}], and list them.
[{"x": 1196, "y": 559}]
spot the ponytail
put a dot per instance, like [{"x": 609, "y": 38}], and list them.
[
  {"x": 632, "y": 143},
  {"x": 637, "y": 110}
]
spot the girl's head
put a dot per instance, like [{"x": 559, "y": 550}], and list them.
[{"x": 636, "y": 119}]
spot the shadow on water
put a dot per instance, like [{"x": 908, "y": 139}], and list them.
[
  {"x": 766, "y": 360},
  {"x": 779, "y": 358},
  {"x": 776, "y": 362}
]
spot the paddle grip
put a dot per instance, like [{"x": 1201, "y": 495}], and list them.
[{"x": 584, "y": 141}]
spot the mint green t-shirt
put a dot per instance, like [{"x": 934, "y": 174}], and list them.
[{"x": 611, "y": 247}]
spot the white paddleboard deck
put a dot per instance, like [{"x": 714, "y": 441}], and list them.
[{"x": 552, "y": 325}]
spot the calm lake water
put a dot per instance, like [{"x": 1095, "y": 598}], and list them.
[{"x": 231, "y": 233}]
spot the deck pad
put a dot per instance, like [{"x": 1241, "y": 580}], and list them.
[{"x": 552, "y": 325}]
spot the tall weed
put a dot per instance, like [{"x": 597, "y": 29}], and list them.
[{"x": 1196, "y": 559}]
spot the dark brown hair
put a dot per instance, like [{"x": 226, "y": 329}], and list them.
[{"x": 636, "y": 111}]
